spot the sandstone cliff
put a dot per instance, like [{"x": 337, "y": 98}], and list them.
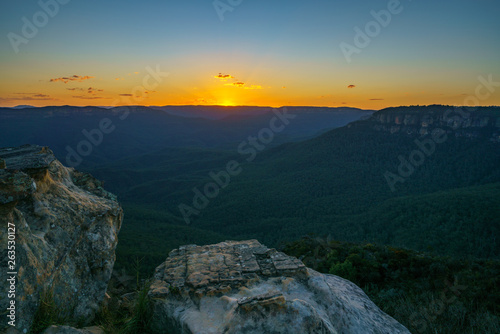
[
  {"x": 422, "y": 120},
  {"x": 244, "y": 287},
  {"x": 66, "y": 230}
]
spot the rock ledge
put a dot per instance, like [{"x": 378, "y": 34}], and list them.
[
  {"x": 245, "y": 287},
  {"x": 66, "y": 228}
]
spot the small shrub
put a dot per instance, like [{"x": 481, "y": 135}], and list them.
[{"x": 47, "y": 313}]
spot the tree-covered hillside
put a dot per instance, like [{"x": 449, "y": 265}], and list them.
[
  {"x": 335, "y": 184},
  {"x": 427, "y": 294}
]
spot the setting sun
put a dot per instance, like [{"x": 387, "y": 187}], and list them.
[{"x": 227, "y": 103}]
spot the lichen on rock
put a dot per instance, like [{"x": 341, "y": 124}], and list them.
[
  {"x": 66, "y": 234},
  {"x": 245, "y": 287}
]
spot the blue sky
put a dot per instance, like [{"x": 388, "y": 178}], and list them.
[{"x": 431, "y": 52}]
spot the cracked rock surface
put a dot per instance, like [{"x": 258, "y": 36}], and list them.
[
  {"x": 245, "y": 287},
  {"x": 66, "y": 228}
]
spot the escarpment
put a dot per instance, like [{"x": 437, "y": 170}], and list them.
[{"x": 460, "y": 122}]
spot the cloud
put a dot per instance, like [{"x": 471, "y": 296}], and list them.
[
  {"x": 242, "y": 85},
  {"x": 224, "y": 77},
  {"x": 253, "y": 87},
  {"x": 351, "y": 86},
  {"x": 92, "y": 90},
  {"x": 77, "y": 78},
  {"x": 125, "y": 94},
  {"x": 86, "y": 97},
  {"x": 29, "y": 97},
  {"x": 237, "y": 84},
  {"x": 376, "y": 100}
]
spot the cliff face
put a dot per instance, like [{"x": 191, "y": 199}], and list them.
[
  {"x": 244, "y": 287},
  {"x": 66, "y": 228},
  {"x": 481, "y": 122}
]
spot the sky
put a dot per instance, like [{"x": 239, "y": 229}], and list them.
[{"x": 361, "y": 53}]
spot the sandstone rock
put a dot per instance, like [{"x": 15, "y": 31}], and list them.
[
  {"x": 71, "y": 330},
  {"x": 424, "y": 120},
  {"x": 66, "y": 233},
  {"x": 244, "y": 287}
]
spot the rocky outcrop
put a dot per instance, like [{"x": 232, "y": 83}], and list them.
[
  {"x": 244, "y": 287},
  {"x": 422, "y": 120},
  {"x": 66, "y": 228},
  {"x": 71, "y": 330}
]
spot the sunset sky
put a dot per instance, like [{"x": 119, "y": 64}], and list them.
[{"x": 266, "y": 53}]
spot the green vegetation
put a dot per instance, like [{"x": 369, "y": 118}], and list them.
[
  {"x": 149, "y": 236},
  {"x": 426, "y": 293},
  {"x": 333, "y": 184},
  {"x": 127, "y": 318},
  {"x": 47, "y": 314}
]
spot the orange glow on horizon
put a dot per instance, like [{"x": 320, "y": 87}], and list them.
[{"x": 227, "y": 103}]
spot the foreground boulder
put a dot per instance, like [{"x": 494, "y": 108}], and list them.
[
  {"x": 66, "y": 229},
  {"x": 71, "y": 330},
  {"x": 245, "y": 287}
]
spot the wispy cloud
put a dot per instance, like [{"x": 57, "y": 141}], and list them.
[
  {"x": 29, "y": 97},
  {"x": 237, "y": 84},
  {"x": 224, "y": 77},
  {"x": 253, "y": 87},
  {"x": 243, "y": 85},
  {"x": 91, "y": 97},
  {"x": 92, "y": 90},
  {"x": 376, "y": 100},
  {"x": 142, "y": 95},
  {"x": 77, "y": 78}
]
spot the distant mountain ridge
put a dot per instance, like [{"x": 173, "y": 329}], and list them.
[
  {"x": 100, "y": 135},
  {"x": 330, "y": 183},
  {"x": 22, "y": 106},
  {"x": 218, "y": 112}
]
